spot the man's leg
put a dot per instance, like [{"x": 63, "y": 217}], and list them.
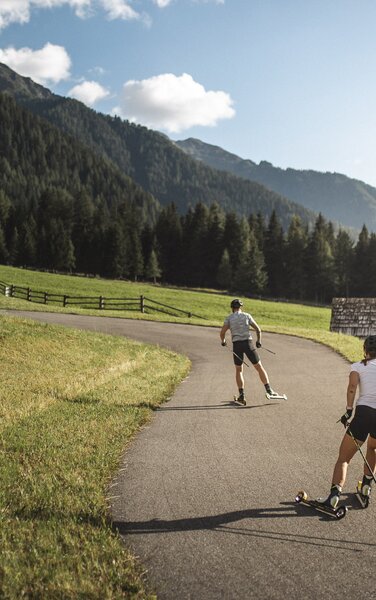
[
  {"x": 239, "y": 377},
  {"x": 262, "y": 373}
]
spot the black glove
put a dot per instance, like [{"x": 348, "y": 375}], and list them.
[
  {"x": 258, "y": 344},
  {"x": 346, "y": 417},
  {"x": 224, "y": 343}
]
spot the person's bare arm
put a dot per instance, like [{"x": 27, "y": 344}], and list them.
[
  {"x": 257, "y": 330},
  {"x": 222, "y": 334},
  {"x": 351, "y": 389}
]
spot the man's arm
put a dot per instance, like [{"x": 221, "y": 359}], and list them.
[
  {"x": 257, "y": 329},
  {"x": 222, "y": 334}
]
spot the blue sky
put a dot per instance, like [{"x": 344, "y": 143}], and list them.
[{"x": 287, "y": 81}]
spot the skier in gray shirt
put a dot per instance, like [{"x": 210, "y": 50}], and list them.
[{"x": 239, "y": 324}]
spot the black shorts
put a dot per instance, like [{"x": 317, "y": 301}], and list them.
[
  {"x": 245, "y": 347},
  {"x": 363, "y": 423}
]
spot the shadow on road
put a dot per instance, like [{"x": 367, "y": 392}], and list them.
[
  {"x": 223, "y": 406},
  {"x": 222, "y": 524}
]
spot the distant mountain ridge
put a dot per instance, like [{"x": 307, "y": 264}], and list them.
[
  {"x": 149, "y": 158},
  {"x": 336, "y": 196}
]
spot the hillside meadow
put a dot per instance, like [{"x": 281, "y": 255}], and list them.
[
  {"x": 311, "y": 322},
  {"x": 70, "y": 403}
]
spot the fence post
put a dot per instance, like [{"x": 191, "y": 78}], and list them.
[
  {"x": 142, "y": 304},
  {"x": 11, "y": 290},
  {"x": 65, "y": 298},
  {"x": 28, "y": 294},
  {"x": 101, "y": 302},
  {"x": 45, "y": 297}
]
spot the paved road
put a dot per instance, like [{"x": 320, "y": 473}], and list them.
[{"x": 206, "y": 492}]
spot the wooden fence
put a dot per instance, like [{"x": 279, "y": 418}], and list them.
[{"x": 140, "y": 303}]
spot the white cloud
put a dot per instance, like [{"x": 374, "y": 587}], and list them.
[
  {"x": 119, "y": 9},
  {"x": 162, "y": 3},
  {"x": 82, "y": 7},
  {"x": 88, "y": 92},
  {"x": 49, "y": 64},
  {"x": 14, "y": 11},
  {"x": 173, "y": 103},
  {"x": 19, "y": 11}
]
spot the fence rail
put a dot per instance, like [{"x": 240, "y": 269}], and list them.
[{"x": 139, "y": 303}]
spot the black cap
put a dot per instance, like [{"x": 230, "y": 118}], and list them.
[{"x": 236, "y": 303}]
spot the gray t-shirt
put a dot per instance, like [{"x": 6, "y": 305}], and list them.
[{"x": 239, "y": 323}]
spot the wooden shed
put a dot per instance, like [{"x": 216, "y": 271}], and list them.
[{"x": 354, "y": 316}]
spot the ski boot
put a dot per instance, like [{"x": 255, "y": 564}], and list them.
[
  {"x": 363, "y": 491},
  {"x": 332, "y": 500},
  {"x": 240, "y": 399}
]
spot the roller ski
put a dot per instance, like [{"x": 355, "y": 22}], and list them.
[
  {"x": 324, "y": 506},
  {"x": 240, "y": 399},
  {"x": 363, "y": 492},
  {"x": 272, "y": 395}
]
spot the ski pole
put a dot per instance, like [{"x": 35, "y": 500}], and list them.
[
  {"x": 267, "y": 349},
  {"x": 361, "y": 452}
]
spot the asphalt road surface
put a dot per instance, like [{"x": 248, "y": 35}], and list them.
[{"x": 205, "y": 496}]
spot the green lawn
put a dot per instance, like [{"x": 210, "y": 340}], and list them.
[{"x": 70, "y": 403}]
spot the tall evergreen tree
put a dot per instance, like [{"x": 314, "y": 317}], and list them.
[
  {"x": 195, "y": 251},
  {"x": 361, "y": 274},
  {"x": 250, "y": 277},
  {"x": 169, "y": 235},
  {"x": 320, "y": 263},
  {"x": 343, "y": 262},
  {"x": 295, "y": 267},
  {"x": 3, "y": 248},
  {"x": 274, "y": 257},
  {"x": 213, "y": 243},
  {"x": 152, "y": 270},
  {"x": 224, "y": 272}
]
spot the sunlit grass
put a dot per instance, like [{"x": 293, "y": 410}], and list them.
[{"x": 70, "y": 403}]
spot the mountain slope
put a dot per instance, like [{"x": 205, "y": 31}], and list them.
[
  {"x": 35, "y": 156},
  {"x": 336, "y": 196},
  {"x": 150, "y": 158}
]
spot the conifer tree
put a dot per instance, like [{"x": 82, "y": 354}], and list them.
[
  {"x": 360, "y": 273},
  {"x": 3, "y": 248},
  {"x": 274, "y": 257},
  {"x": 295, "y": 267},
  {"x": 152, "y": 270},
  {"x": 169, "y": 235},
  {"x": 343, "y": 262},
  {"x": 320, "y": 263},
  {"x": 224, "y": 273}
]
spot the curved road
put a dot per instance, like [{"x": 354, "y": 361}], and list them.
[{"x": 206, "y": 491}]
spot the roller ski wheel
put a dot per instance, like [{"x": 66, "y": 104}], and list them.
[
  {"x": 240, "y": 400},
  {"x": 362, "y": 498},
  {"x": 275, "y": 396},
  {"x": 336, "y": 513}
]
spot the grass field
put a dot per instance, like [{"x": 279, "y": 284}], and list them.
[{"x": 70, "y": 402}]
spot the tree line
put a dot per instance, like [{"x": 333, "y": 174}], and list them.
[{"x": 206, "y": 247}]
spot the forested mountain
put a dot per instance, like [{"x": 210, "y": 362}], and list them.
[
  {"x": 339, "y": 198},
  {"x": 150, "y": 158},
  {"x": 61, "y": 205}
]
